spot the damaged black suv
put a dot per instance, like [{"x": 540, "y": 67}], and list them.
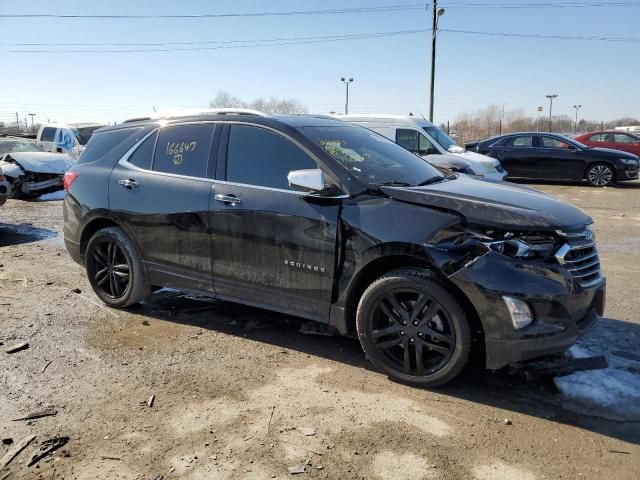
[{"x": 328, "y": 221}]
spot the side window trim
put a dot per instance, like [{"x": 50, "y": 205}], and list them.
[{"x": 124, "y": 161}]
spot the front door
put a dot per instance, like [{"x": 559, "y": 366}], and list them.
[
  {"x": 559, "y": 160},
  {"x": 272, "y": 247},
  {"x": 160, "y": 194}
]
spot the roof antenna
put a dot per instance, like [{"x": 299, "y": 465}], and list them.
[
  {"x": 421, "y": 115},
  {"x": 154, "y": 109}
]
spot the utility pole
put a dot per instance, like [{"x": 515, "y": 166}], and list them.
[
  {"x": 32, "y": 115},
  {"x": 437, "y": 12},
  {"x": 346, "y": 81},
  {"x": 17, "y": 121},
  {"x": 551, "y": 97},
  {"x": 577, "y": 107}
]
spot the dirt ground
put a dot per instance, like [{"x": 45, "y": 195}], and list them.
[{"x": 241, "y": 393}]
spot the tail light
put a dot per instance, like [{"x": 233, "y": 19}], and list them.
[{"x": 69, "y": 178}]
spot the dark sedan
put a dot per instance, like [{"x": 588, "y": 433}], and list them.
[{"x": 549, "y": 156}]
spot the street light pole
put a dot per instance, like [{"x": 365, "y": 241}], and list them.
[
  {"x": 577, "y": 107},
  {"x": 32, "y": 115},
  {"x": 437, "y": 12},
  {"x": 346, "y": 81},
  {"x": 551, "y": 97}
]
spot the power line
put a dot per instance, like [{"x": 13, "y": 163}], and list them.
[
  {"x": 545, "y": 36},
  {"x": 216, "y": 42},
  {"x": 257, "y": 43},
  {"x": 333, "y": 11},
  {"x": 540, "y": 5},
  {"x": 307, "y": 40}
]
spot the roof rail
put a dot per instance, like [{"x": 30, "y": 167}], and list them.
[{"x": 187, "y": 113}]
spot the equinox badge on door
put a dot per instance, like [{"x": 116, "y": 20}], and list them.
[{"x": 305, "y": 266}]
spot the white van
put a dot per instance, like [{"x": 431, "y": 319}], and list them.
[
  {"x": 425, "y": 139},
  {"x": 69, "y": 139}
]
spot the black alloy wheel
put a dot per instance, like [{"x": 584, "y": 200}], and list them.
[
  {"x": 600, "y": 175},
  {"x": 114, "y": 268},
  {"x": 111, "y": 271},
  {"x": 413, "y": 329}
]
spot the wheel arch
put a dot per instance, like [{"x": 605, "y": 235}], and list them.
[
  {"x": 384, "y": 264},
  {"x": 92, "y": 227}
]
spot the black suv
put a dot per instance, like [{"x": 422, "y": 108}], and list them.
[{"x": 328, "y": 221}]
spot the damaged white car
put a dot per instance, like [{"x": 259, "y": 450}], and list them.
[{"x": 28, "y": 170}]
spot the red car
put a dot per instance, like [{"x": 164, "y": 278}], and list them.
[{"x": 616, "y": 140}]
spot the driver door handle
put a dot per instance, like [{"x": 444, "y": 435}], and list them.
[
  {"x": 228, "y": 199},
  {"x": 128, "y": 183}
]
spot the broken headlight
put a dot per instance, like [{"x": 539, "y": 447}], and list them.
[{"x": 518, "y": 245}]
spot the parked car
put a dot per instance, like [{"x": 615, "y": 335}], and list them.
[
  {"x": 549, "y": 156},
  {"x": 29, "y": 170},
  {"x": 627, "y": 142},
  {"x": 331, "y": 222},
  {"x": 69, "y": 139},
  {"x": 5, "y": 188},
  {"x": 425, "y": 139}
]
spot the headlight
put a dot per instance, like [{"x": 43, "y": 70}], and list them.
[{"x": 518, "y": 245}]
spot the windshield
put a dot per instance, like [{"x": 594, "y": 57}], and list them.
[
  {"x": 84, "y": 134},
  {"x": 371, "y": 158},
  {"x": 441, "y": 138},
  {"x": 17, "y": 146}
]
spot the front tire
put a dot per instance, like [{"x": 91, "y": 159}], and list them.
[
  {"x": 412, "y": 329},
  {"x": 114, "y": 269},
  {"x": 600, "y": 175}
]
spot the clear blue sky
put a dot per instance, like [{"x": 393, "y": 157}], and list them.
[{"x": 391, "y": 74}]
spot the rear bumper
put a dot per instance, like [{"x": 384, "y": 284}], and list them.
[{"x": 73, "y": 248}]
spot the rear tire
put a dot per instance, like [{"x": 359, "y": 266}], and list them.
[
  {"x": 600, "y": 175},
  {"x": 413, "y": 329},
  {"x": 114, "y": 269}
]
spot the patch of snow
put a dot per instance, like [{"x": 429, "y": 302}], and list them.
[
  {"x": 613, "y": 392},
  {"x": 48, "y": 197}
]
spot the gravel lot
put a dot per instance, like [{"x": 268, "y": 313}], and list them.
[{"x": 241, "y": 393}]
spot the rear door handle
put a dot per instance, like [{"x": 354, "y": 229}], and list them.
[
  {"x": 228, "y": 199},
  {"x": 128, "y": 183}
]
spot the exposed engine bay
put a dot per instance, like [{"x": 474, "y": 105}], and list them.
[{"x": 31, "y": 174}]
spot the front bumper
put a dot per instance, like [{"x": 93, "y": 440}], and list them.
[
  {"x": 562, "y": 308},
  {"x": 627, "y": 175},
  {"x": 495, "y": 175}
]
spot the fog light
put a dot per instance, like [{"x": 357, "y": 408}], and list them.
[{"x": 520, "y": 312}]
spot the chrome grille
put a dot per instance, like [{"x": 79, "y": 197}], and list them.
[{"x": 581, "y": 259}]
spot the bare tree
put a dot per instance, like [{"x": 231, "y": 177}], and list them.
[
  {"x": 271, "y": 105},
  {"x": 224, "y": 99}
]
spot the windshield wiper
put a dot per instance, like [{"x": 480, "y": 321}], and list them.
[{"x": 433, "y": 179}]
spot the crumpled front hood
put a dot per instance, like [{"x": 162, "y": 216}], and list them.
[
  {"x": 494, "y": 204},
  {"x": 41, "y": 162}
]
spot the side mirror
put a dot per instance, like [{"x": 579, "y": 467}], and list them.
[{"x": 306, "y": 180}]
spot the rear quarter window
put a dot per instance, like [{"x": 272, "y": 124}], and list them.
[{"x": 112, "y": 143}]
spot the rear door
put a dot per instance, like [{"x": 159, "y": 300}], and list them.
[
  {"x": 626, "y": 142},
  {"x": 272, "y": 247},
  {"x": 160, "y": 194},
  {"x": 518, "y": 156}
]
